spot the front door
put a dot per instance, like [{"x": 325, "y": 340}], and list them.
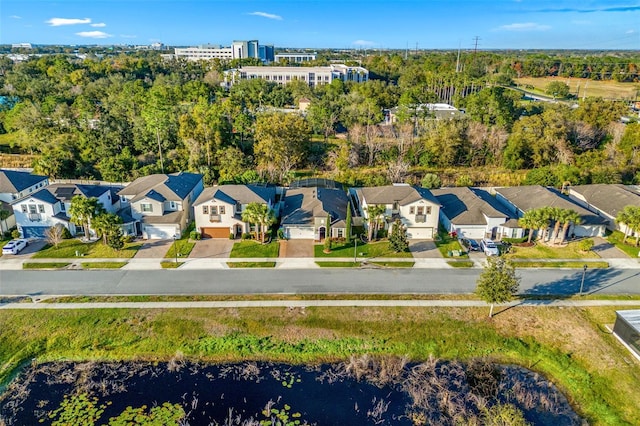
[{"x": 323, "y": 233}]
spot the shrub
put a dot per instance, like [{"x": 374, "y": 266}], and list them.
[
  {"x": 231, "y": 236},
  {"x": 128, "y": 238},
  {"x": 431, "y": 181},
  {"x": 281, "y": 234},
  {"x": 247, "y": 236},
  {"x": 15, "y": 234},
  {"x": 382, "y": 233},
  {"x": 195, "y": 235},
  {"x": 66, "y": 234},
  {"x": 515, "y": 240},
  {"x": 585, "y": 245}
]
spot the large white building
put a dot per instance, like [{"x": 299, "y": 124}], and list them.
[
  {"x": 239, "y": 49},
  {"x": 296, "y": 57},
  {"x": 314, "y": 76}
]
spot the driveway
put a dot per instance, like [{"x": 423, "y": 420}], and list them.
[
  {"x": 153, "y": 249},
  {"x": 212, "y": 248},
  {"x": 33, "y": 247},
  {"x": 606, "y": 250},
  {"x": 424, "y": 249},
  {"x": 296, "y": 248}
]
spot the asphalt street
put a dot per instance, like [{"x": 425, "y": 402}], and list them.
[{"x": 334, "y": 281}]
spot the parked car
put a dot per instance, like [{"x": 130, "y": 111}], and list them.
[
  {"x": 470, "y": 245},
  {"x": 14, "y": 246},
  {"x": 489, "y": 247}
]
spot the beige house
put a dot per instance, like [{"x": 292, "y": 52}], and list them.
[
  {"x": 218, "y": 209},
  {"x": 416, "y": 207},
  {"x": 307, "y": 209}
]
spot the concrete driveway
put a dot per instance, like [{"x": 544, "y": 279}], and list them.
[
  {"x": 296, "y": 248},
  {"x": 33, "y": 247},
  {"x": 424, "y": 249},
  {"x": 606, "y": 250},
  {"x": 153, "y": 249},
  {"x": 212, "y": 248}
]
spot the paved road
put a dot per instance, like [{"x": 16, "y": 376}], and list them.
[{"x": 261, "y": 281}]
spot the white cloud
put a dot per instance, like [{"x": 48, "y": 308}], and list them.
[
  {"x": 56, "y": 22},
  {"x": 630, "y": 32},
  {"x": 524, "y": 26},
  {"x": 99, "y": 25},
  {"x": 93, "y": 34},
  {"x": 267, "y": 15},
  {"x": 364, "y": 43},
  {"x": 15, "y": 17}
]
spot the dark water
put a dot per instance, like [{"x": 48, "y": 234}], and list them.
[{"x": 322, "y": 395}]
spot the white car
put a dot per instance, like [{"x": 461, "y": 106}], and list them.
[
  {"x": 489, "y": 247},
  {"x": 14, "y": 246}
]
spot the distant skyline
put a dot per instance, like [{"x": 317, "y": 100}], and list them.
[{"x": 351, "y": 24}]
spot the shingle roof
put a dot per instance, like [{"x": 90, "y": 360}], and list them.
[
  {"x": 173, "y": 217},
  {"x": 42, "y": 195},
  {"x": 609, "y": 198},
  {"x": 466, "y": 206},
  {"x": 243, "y": 194},
  {"x": 12, "y": 181},
  {"x": 66, "y": 191},
  {"x": 173, "y": 187},
  {"x": 536, "y": 196},
  {"x": 302, "y": 205},
  {"x": 403, "y": 194}
]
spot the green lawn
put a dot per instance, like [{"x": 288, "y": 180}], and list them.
[
  {"x": 394, "y": 264},
  {"x": 460, "y": 263},
  {"x": 568, "y": 264},
  {"x": 169, "y": 264},
  {"x": 331, "y": 264},
  {"x": 181, "y": 247},
  {"x": 446, "y": 244},
  {"x": 249, "y": 249},
  {"x": 629, "y": 247},
  {"x": 102, "y": 265},
  {"x": 45, "y": 265},
  {"x": 68, "y": 249},
  {"x": 369, "y": 250},
  {"x": 541, "y": 251},
  {"x": 251, "y": 264}
]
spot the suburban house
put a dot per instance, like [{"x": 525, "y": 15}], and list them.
[
  {"x": 476, "y": 214},
  {"x": 13, "y": 186},
  {"x": 307, "y": 209},
  {"x": 161, "y": 204},
  {"x": 416, "y": 207},
  {"x": 49, "y": 206},
  {"x": 605, "y": 200},
  {"x": 519, "y": 199},
  {"x": 218, "y": 209}
]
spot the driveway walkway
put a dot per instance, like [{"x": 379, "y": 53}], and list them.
[
  {"x": 606, "y": 250},
  {"x": 153, "y": 249},
  {"x": 212, "y": 248},
  {"x": 296, "y": 248},
  {"x": 423, "y": 249}
]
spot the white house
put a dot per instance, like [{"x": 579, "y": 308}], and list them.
[
  {"x": 218, "y": 209},
  {"x": 313, "y": 76},
  {"x": 474, "y": 213},
  {"x": 13, "y": 186},
  {"x": 161, "y": 204},
  {"x": 416, "y": 207}
]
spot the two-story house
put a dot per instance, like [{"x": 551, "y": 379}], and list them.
[
  {"x": 307, "y": 209},
  {"x": 50, "y": 205},
  {"x": 416, "y": 207},
  {"x": 13, "y": 186},
  {"x": 161, "y": 204},
  {"x": 218, "y": 209}
]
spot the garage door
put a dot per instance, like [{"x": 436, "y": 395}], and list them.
[
  {"x": 420, "y": 233},
  {"x": 158, "y": 232},
  {"x": 215, "y": 232},
  {"x": 299, "y": 232},
  {"x": 34, "y": 231}
]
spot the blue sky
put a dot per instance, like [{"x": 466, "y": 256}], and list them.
[{"x": 427, "y": 24}]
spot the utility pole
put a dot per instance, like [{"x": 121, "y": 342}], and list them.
[
  {"x": 416, "y": 48},
  {"x": 475, "y": 45},
  {"x": 458, "y": 59}
]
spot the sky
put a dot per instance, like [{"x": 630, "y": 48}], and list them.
[{"x": 348, "y": 24}]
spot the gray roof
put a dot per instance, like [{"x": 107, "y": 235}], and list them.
[
  {"x": 302, "y": 205},
  {"x": 466, "y": 206},
  {"x": 389, "y": 194},
  {"x": 536, "y": 196},
  {"x": 171, "y": 187},
  {"x": 243, "y": 194},
  {"x": 42, "y": 195},
  {"x": 12, "y": 181},
  {"x": 611, "y": 199},
  {"x": 171, "y": 218},
  {"x": 66, "y": 191}
]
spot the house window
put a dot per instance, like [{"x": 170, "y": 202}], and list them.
[
  {"x": 146, "y": 207},
  {"x": 205, "y": 209},
  {"x": 428, "y": 210},
  {"x": 214, "y": 209},
  {"x": 420, "y": 210},
  {"x": 63, "y": 207},
  {"x": 40, "y": 208},
  {"x": 172, "y": 205},
  {"x": 412, "y": 210},
  {"x": 396, "y": 206},
  {"x": 340, "y": 233},
  {"x": 221, "y": 209},
  {"x": 123, "y": 199},
  {"x": 24, "y": 208},
  {"x": 32, "y": 209}
]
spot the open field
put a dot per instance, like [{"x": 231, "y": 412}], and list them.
[
  {"x": 582, "y": 87},
  {"x": 571, "y": 346}
]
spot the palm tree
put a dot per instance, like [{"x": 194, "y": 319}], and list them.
[
  {"x": 557, "y": 215},
  {"x": 571, "y": 217},
  {"x": 251, "y": 215},
  {"x": 630, "y": 217},
  {"x": 528, "y": 221},
  {"x": 106, "y": 224},
  {"x": 82, "y": 210},
  {"x": 543, "y": 217},
  {"x": 374, "y": 213},
  {"x": 266, "y": 217}
]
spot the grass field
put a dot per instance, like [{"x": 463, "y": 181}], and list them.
[
  {"x": 68, "y": 248},
  {"x": 447, "y": 244},
  {"x": 542, "y": 251},
  {"x": 629, "y": 247},
  {"x": 249, "y": 249},
  {"x": 581, "y": 87},
  {"x": 251, "y": 264},
  {"x": 570, "y": 346},
  {"x": 45, "y": 265},
  {"x": 369, "y": 250},
  {"x": 559, "y": 264},
  {"x": 102, "y": 265}
]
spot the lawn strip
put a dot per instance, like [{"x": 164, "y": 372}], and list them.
[
  {"x": 45, "y": 265},
  {"x": 102, "y": 265},
  {"x": 251, "y": 264}
]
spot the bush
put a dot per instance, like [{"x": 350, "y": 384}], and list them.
[
  {"x": 15, "y": 234},
  {"x": 66, "y": 234},
  {"x": 128, "y": 238},
  {"x": 515, "y": 240},
  {"x": 195, "y": 235},
  {"x": 382, "y": 233},
  {"x": 281, "y": 234},
  {"x": 586, "y": 244},
  {"x": 231, "y": 236},
  {"x": 247, "y": 236}
]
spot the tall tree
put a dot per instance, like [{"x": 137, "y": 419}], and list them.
[
  {"x": 571, "y": 217},
  {"x": 327, "y": 235},
  {"x": 82, "y": 210},
  {"x": 107, "y": 225},
  {"x": 398, "y": 239},
  {"x": 375, "y": 213},
  {"x": 498, "y": 282},
  {"x": 251, "y": 215},
  {"x": 348, "y": 220}
]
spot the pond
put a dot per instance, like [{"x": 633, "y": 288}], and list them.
[{"x": 362, "y": 391}]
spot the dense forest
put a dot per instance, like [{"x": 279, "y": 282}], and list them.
[{"x": 122, "y": 115}]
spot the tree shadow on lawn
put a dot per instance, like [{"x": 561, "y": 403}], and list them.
[{"x": 595, "y": 281}]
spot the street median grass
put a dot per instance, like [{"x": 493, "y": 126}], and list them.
[
  {"x": 568, "y": 346},
  {"x": 97, "y": 249},
  {"x": 102, "y": 265},
  {"x": 45, "y": 265},
  {"x": 251, "y": 264},
  {"x": 460, "y": 263},
  {"x": 559, "y": 264},
  {"x": 170, "y": 264},
  {"x": 377, "y": 249},
  {"x": 254, "y": 249}
]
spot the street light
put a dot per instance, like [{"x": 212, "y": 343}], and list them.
[{"x": 584, "y": 271}]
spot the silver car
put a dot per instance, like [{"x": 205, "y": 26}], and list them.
[
  {"x": 489, "y": 247},
  {"x": 14, "y": 246}
]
